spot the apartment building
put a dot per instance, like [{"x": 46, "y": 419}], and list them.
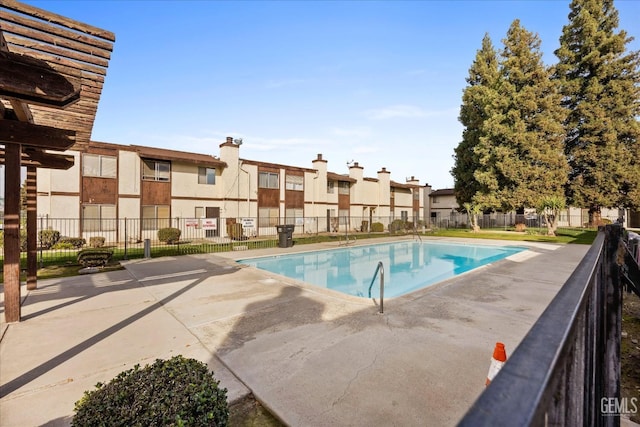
[{"x": 157, "y": 188}]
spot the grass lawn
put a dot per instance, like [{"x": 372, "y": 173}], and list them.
[{"x": 578, "y": 236}]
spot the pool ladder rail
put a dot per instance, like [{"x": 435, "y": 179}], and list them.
[{"x": 379, "y": 268}]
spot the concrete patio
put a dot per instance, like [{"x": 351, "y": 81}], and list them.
[{"x": 312, "y": 356}]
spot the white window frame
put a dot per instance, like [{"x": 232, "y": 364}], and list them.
[
  {"x": 205, "y": 173},
  {"x": 294, "y": 182},
  {"x": 343, "y": 187},
  {"x": 106, "y": 167},
  {"x": 268, "y": 217},
  {"x": 331, "y": 185},
  {"x": 156, "y": 173},
  {"x": 268, "y": 180},
  {"x": 155, "y": 222},
  {"x": 104, "y": 219}
]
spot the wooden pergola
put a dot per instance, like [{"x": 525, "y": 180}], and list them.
[{"x": 52, "y": 70}]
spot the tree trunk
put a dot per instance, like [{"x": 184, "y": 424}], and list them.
[{"x": 595, "y": 216}]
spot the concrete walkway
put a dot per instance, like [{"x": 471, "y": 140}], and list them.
[{"x": 312, "y": 356}]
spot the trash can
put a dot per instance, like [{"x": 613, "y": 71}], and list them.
[{"x": 285, "y": 235}]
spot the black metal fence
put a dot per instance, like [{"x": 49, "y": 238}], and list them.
[
  {"x": 566, "y": 371},
  {"x": 128, "y": 237},
  {"x": 455, "y": 219}
]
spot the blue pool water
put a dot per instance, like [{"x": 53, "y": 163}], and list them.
[{"x": 408, "y": 266}]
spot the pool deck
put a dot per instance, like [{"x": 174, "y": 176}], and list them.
[{"x": 314, "y": 357}]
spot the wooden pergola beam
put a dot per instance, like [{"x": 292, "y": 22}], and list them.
[
  {"x": 40, "y": 159},
  {"x": 44, "y": 137},
  {"x": 34, "y": 81}
]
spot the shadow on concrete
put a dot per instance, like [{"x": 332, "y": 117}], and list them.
[
  {"x": 287, "y": 310},
  {"x": 81, "y": 292}
]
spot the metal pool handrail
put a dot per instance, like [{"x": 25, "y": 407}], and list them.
[{"x": 379, "y": 268}]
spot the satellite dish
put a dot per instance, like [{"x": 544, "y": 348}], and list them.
[{"x": 238, "y": 141}]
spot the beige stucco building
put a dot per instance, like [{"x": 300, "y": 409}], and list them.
[{"x": 129, "y": 192}]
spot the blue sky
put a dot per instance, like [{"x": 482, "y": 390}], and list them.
[{"x": 375, "y": 82}]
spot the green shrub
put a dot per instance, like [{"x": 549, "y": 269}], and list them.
[
  {"x": 97, "y": 257},
  {"x": 76, "y": 242},
  {"x": 377, "y": 227},
  {"x": 64, "y": 245},
  {"x": 397, "y": 225},
  {"x": 48, "y": 238},
  {"x": 23, "y": 240},
  {"x": 174, "y": 392},
  {"x": 96, "y": 241},
  {"x": 169, "y": 235}
]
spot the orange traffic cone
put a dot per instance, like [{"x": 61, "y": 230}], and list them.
[{"x": 498, "y": 359}]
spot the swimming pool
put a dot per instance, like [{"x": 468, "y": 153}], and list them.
[{"x": 408, "y": 265}]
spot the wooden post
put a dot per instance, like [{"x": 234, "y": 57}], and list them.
[
  {"x": 12, "y": 233},
  {"x": 32, "y": 228}
]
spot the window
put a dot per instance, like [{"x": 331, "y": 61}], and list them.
[
  {"x": 155, "y": 217},
  {"x": 344, "y": 216},
  {"x": 98, "y": 217},
  {"x": 100, "y": 166},
  {"x": 199, "y": 212},
  {"x": 294, "y": 216},
  {"x": 268, "y": 180},
  {"x": 404, "y": 215},
  {"x": 330, "y": 187},
  {"x": 416, "y": 194},
  {"x": 206, "y": 176},
  {"x": 268, "y": 217},
  {"x": 343, "y": 187},
  {"x": 294, "y": 182},
  {"x": 155, "y": 170}
]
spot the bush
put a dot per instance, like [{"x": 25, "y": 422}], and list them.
[
  {"x": 96, "y": 241},
  {"x": 169, "y": 235},
  {"x": 520, "y": 227},
  {"x": 75, "y": 242},
  {"x": 48, "y": 238},
  {"x": 23, "y": 240},
  {"x": 94, "y": 257},
  {"x": 64, "y": 245},
  {"x": 377, "y": 227},
  {"x": 170, "y": 392},
  {"x": 397, "y": 225}
]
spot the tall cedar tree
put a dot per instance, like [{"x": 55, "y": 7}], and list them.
[
  {"x": 600, "y": 84},
  {"x": 521, "y": 151},
  {"x": 477, "y": 96}
]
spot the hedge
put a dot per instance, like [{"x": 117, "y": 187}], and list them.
[{"x": 174, "y": 392}]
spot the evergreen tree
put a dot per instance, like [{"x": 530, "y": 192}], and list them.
[
  {"x": 521, "y": 154},
  {"x": 477, "y": 97},
  {"x": 599, "y": 83}
]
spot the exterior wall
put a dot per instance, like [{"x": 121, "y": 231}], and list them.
[
  {"x": 443, "y": 205},
  {"x": 230, "y": 179},
  {"x": 128, "y": 207},
  {"x": 184, "y": 182},
  {"x": 59, "y": 190},
  {"x": 234, "y": 196},
  {"x": 403, "y": 202},
  {"x": 129, "y": 173}
]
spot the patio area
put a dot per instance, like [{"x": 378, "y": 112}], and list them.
[{"x": 310, "y": 355}]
